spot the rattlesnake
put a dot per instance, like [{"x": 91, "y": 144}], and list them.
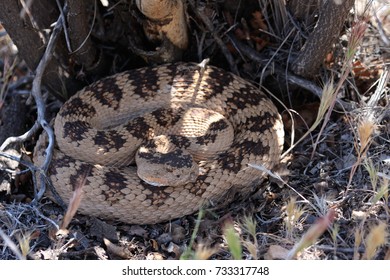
[{"x": 93, "y": 148}]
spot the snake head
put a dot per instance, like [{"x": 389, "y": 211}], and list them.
[{"x": 161, "y": 163}]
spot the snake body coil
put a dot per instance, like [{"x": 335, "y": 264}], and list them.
[{"x": 99, "y": 129}]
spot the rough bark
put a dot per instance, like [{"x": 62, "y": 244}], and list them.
[
  {"x": 30, "y": 44},
  {"x": 324, "y": 35},
  {"x": 83, "y": 49}
]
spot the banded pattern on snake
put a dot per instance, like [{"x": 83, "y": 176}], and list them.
[{"x": 99, "y": 130}]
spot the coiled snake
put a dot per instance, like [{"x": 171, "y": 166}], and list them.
[{"x": 99, "y": 130}]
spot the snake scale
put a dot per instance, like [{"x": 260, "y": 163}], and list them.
[{"x": 95, "y": 143}]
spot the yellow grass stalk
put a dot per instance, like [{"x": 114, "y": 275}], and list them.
[{"x": 376, "y": 238}]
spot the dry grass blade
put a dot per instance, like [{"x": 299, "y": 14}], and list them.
[
  {"x": 293, "y": 213},
  {"x": 355, "y": 39},
  {"x": 328, "y": 97},
  {"x": 358, "y": 242},
  {"x": 376, "y": 238},
  {"x": 313, "y": 233},
  {"x": 74, "y": 202},
  {"x": 204, "y": 252},
  {"x": 250, "y": 243},
  {"x": 365, "y": 131},
  {"x": 233, "y": 241}
]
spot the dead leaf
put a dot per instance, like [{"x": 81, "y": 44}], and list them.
[
  {"x": 154, "y": 244},
  {"x": 119, "y": 251},
  {"x": 74, "y": 201},
  {"x": 361, "y": 71}
]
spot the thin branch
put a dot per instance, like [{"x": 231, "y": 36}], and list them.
[
  {"x": 64, "y": 26},
  {"x": 20, "y": 138},
  {"x": 29, "y": 165},
  {"x": 41, "y": 107},
  {"x": 26, "y": 10}
]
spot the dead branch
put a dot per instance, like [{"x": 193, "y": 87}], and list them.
[{"x": 41, "y": 108}]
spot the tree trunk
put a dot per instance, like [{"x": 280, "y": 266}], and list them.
[
  {"x": 31, "y": 45},
  {"x": 324, "y": 35}
]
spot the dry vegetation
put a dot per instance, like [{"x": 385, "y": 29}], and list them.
[{"x": 330, "y": 198}]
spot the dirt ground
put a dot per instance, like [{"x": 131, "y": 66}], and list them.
[{"x": 328, "y": 200}]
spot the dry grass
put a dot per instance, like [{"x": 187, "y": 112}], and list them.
[{"x": 335, "y": 201}]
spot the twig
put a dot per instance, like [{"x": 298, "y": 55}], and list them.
[
  {"x": 21, "y": 138},
  {"x": 29, "y": 165},
  {"x": 26, "y": 10},
  {"x": 11, "y": 245},
  {"x": 296, "y": 25},
  {"x": 64, "y": 27},
  {"x": 341, "y": 250},
  {"x": 19, "y": 83},
  {"x": 274, "y": 55}
]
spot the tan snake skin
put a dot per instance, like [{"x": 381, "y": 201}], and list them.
[{"x": 96, "y": 141}]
